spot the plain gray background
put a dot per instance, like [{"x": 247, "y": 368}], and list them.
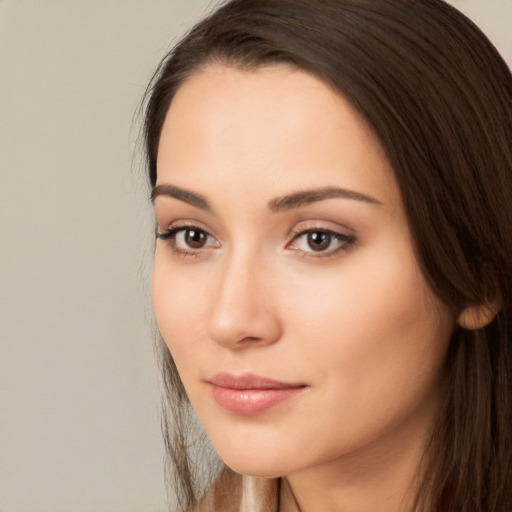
[{"x": 79, "y": 424}]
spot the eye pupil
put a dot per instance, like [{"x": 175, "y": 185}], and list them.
[
  {"x": 319, "y": 240},
  {"x": 195, "y": 238}
]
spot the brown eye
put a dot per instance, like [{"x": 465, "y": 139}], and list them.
[
  {"x": 319, "y": 240},
  {"x": 195, "y": 238},
  {"x": 188, "y": 239},
  {"x": 321, "y": 243}
]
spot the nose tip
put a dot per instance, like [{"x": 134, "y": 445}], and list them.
[
  {"x": 237, "y": 333},
  {"x": 242, "y": 313}
]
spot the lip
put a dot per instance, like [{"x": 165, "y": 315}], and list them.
[{"x": 249, "y": 394}]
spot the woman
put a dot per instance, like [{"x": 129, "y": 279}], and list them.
[{"x": 332, "y": 183}]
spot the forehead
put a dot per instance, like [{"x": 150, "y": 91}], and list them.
[{"x": 275, "y": 125}]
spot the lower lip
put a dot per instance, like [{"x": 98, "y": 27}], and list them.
[{"x": 248, "y": 402}]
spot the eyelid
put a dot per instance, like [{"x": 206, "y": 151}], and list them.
[
  {"x": 322, "y": 225},
  {"x": 163, "y": 228},
  {"x": 165, "y": 224}
]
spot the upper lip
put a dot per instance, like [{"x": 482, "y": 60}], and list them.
[{"x": 249, "y": 381}]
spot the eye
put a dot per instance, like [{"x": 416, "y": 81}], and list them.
[
  {"x": 319, "y": 240},
  {"x": 192, "y": 238},
  {"x": 323, "y": 242},
  {"x": 188, "y": 239}
]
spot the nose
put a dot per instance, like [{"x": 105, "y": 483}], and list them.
[{"x": 243, "y": 312}]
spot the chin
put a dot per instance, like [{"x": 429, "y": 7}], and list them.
[
  {"x": 255, "y": 462},
  {"x": 256, "y": 470}
]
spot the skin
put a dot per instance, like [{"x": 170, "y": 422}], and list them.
[{"x": 355, "y": 324}]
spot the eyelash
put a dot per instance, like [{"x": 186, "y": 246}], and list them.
[{"x": 345, "y": 241}]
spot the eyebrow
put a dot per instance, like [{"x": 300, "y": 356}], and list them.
[
  {"x": 186, "y": 196},
  {"x": 305, "y": 197},
  {"x": 280, "y": 204}
]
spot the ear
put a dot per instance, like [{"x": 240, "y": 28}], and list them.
[{"x": 476, "y": 317}]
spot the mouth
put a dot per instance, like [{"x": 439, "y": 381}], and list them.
[{"x": 248, "y": 394}]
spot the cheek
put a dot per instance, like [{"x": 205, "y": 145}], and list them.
[
  {"x": 373, "y": 333},
  {"x": 179, "y": 303},
  {"x": 372, "y": 295}
]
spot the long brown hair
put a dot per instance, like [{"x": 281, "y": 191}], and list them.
[{"x": 439, "y": 97}]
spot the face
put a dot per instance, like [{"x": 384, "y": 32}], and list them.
[{"x": 285, "y": 281}]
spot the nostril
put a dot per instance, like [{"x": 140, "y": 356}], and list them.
[{"x": 250, "y": 339}]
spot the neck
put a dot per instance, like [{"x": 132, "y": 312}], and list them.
[{"x": 383, "y": 477}]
